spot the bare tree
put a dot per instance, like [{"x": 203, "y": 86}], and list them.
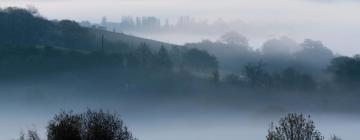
[
  {"x": 65, "y": 126},
  {"x": 91, "y": 125},
  {"x": 100, "y": 125},
  {"x": 294, "y": 127},
  {"x": 272, "y": 134}
]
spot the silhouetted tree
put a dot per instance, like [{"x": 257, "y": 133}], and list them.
[
  {"x": 65, "y": 126},
  {"x": 273, "y": 134},
  {"x": 100, "y": 125},
  {"x": 294, "y": 127},
  {"x": 91, "y": 125}
]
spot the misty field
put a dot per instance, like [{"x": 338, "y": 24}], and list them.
[{"x": 155, "y": 78}]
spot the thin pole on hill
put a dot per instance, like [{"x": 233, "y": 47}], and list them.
[{"x": 102, "y": 43}]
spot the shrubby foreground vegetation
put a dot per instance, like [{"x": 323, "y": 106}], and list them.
[
  {"x": 294, "y": 127},
  {"x": 90, "y": 125},
  {"x": 100, "y": 125}
]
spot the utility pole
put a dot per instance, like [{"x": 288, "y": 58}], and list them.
[{"x": 102, "y": 43}]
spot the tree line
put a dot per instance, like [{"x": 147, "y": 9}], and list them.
[{"x": 141, "y": 68}]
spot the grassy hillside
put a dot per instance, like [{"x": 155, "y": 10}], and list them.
[
  {"x": 26, "y": 27},
  {"x": 129, "y": 40}
]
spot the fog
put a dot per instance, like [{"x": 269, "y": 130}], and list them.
[
  {"x": 181, "y": 70},
  {"x": 339, "y": 37},
  {"x": 331, "y": 21},
  {"x": 154, "y": 117}
]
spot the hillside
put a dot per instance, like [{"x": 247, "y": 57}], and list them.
[
  {"x": 128, "y": 39},
  {"x": 27, "y": 27},
  {"x": 33, "y": 46}
]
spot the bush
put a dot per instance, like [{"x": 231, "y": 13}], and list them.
[
  {"x": 294, "y": 127},
  {"x": 91, "y": 125},
  {"x": 65, "y": 126}
]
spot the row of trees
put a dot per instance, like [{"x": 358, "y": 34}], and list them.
[
  {"x": 146, "y": 24},
  {"x": 282, "y": 63},
  {"x": 233, "y": 52},
  {"x": 37, "y": 61},
  {"x": 341, "y": 72},
  {"x": 256, "y": 76},
  {"x": 45, "y": 59},
  {"x": 346, "y": 70},
  {"x": 140, "y": 68}
]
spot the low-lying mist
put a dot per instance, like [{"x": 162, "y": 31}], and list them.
[
  {"x": 223, "y": 89},
  {"x": 157, "y": 117}
]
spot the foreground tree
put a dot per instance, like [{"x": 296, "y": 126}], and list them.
[
  {"x": 65, "y": 126},
  {"x": 100, "y": 125},
  {"x": 91, "y": 125},
  {"x": 294, "y": 127}
]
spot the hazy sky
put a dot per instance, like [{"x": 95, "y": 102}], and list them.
[{"x": 335, "y": 22}]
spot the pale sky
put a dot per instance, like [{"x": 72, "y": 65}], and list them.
[{"x": 335, "y": 22}]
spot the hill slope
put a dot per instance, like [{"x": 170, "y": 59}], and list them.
[{"x": 25, "y": 27}]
